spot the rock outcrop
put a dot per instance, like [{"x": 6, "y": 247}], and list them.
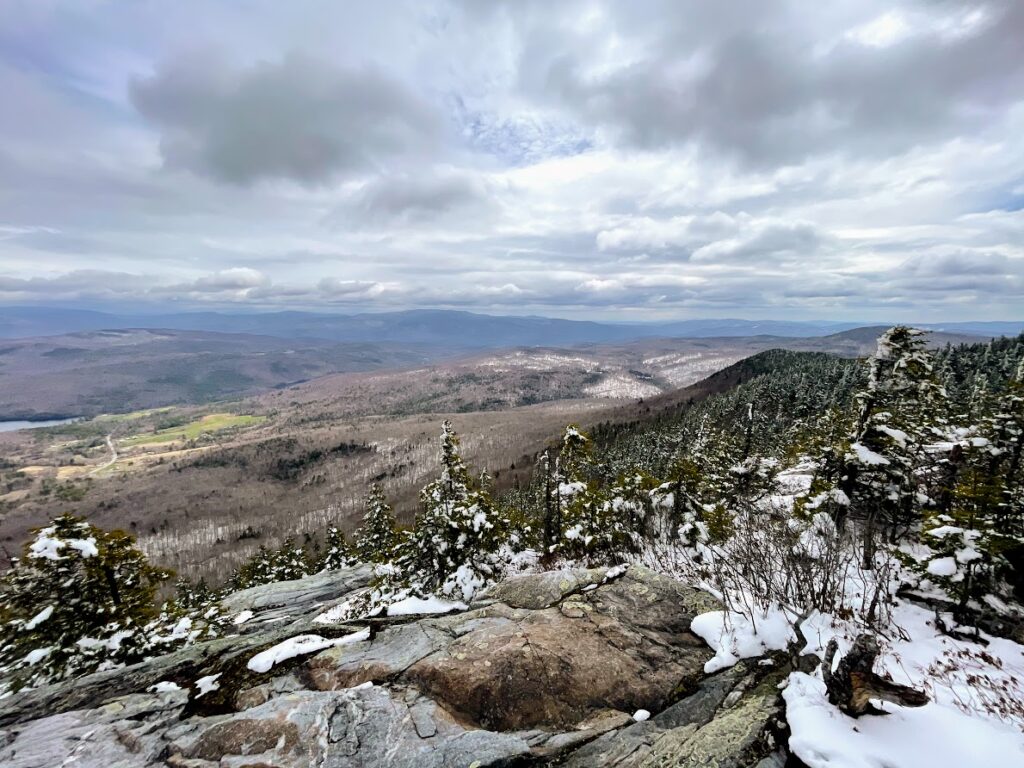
[{"x": 543, "y": 668}]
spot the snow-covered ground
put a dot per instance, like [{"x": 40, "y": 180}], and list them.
[
  {"x": 622, "y": 386},
  {"x": 975, "y": 714}
]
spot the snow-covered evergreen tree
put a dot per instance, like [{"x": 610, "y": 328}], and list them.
[
  {"x": 1007, "y": 449},
  {"x": 337, "y": 552},
  {"x": 266, "y": 566},
  {"x": 894, "y": 419},
  {"x": 458, "y": 532},
  {"x": 78, "y": 600},
  {"x": 596, "y": 522},
  {"x": 377, "y": 539}
]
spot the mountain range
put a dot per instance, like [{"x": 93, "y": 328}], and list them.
[{"x": 441, "y": 327}]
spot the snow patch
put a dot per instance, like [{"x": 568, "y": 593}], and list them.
[
  {"x": 866, "y": 456},
  {"x": 942, "y": 566},
  {"x": 933, "y": 735},
  {"x": 734, "y": 636},
  {"x": 300, "y": 646},
  {"x": 34, "y": 657},
  {"x": 207, "y": 685},
  {"x": 416, "y": 605},
  {"x": 40, "y": 617}
]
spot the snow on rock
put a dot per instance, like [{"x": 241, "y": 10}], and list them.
[
  {"x": 733, "y": 636},
  {"x": 415, "y": 605},
  {"x": 207, "y": 685},
  {"x": 866, "y": 456},
  {"x": 300, "y": 646},
  {"x": 39, "y": 618},
  {"x": 615, "y": 571},
  {"x": 111, "y": 643},
  {"x": 35, "y": 656},
  {"x": 242, "y": 617},
  {"x": 165, "y": 686},
  {"x": 640, "y": 715}
]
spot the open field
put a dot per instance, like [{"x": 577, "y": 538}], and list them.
[{"x": 208, "y": 424}]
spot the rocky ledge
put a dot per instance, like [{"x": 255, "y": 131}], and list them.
[{"x": 557, "y": 667}]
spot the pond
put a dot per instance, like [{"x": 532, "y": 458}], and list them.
[{"x": 11, "y": 426}]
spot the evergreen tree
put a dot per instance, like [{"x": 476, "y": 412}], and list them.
[
  {"x": 457, "y": 532},
  {"x": 78, "y": 600},
  {"x": 337, "y": 552},
  {"x": 377, "y": 539},
  {"x": 1007, "y": 447},
  {"x": 256, "y": 570},
  {"x": 596, "y": 523},
  {"x": 290, "y": 562},
  {"x": 877, "y": 476},
  {"x": 267, "y": 566}
]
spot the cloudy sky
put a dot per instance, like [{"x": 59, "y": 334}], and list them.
[{"x": 630, "y": 160}]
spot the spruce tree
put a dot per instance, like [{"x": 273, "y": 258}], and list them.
[
  {"x": 894, "y": 419},
  {"x": 337, "y": 552},
  {"x": 289, "y": 562},
  {"x": 267, "y": 566},
  {"x": 377, "y": 539},
  {"x": 457, "y": 532},
  {"x": 596, "y": 522},
  {"x": 78, "y": 600}
]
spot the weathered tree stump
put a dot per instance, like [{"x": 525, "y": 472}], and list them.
[{"x": 853, "y": 684}]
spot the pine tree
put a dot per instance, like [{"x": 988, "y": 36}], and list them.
[
  {"x": 267, "y": 566},
  {"x": 877, "y": 474},
  {"x": 596, "y": 523},
  {"x": 289, "y": 562},
  {"x": 77, "y": 601},
  {"x": 377, "y": 539},
  {"x": 457, "y": 532},
  {"x": 1007, "y": 450},
  {"x": 967, "y": 548},
  {"x": 255, "y": 571},
  {"x": 337, "y": 552}
]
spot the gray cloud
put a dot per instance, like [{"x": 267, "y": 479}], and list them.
[
  {"x": 770, "y": 86},
  {"x": 298, "y": 118},
  {"x": 415, "y": 197}
]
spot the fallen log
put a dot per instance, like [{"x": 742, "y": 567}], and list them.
[{"x": 853, "y": 684}]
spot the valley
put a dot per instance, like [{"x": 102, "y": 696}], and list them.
[{"x": 203, "y": 485}]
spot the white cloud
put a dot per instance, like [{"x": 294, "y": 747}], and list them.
[{"x": 882, "y": 31}]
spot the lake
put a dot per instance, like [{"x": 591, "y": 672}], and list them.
[{"x": 11, "y": 426}]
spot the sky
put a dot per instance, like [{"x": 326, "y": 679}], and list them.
[{"x": 634, "y": 160}]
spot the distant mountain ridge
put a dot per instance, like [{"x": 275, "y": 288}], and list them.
[{"x": 443, "y": 327}]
